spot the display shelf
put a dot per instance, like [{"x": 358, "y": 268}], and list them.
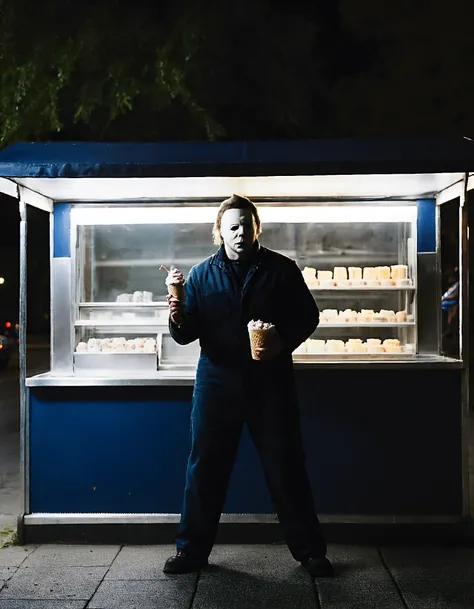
[
  {"x": 118, "y": 305},
  {"x": 145, "y": 262},
  {"x": 109, "y": 353},
  {"x": 117, "y": 324},
  {"x": 314, "y": 357},
  {"x": 366, "y": 288},
  {"x": 401, "y": 324}
]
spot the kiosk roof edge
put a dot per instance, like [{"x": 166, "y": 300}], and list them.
[{"x": 252, "y": 158}]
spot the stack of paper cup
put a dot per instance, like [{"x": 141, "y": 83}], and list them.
[{"x": 259, "y": 332}]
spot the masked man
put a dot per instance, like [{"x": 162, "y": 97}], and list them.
[{"x": 241, "y": 282}]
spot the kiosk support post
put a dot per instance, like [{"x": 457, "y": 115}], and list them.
[
  {"x": 24, "y": 415},
  {"x": 464, "y": 343}
]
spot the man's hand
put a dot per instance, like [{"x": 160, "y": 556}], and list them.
[
  {"x": 176, "y": 310},
  {"x": 273, "y": 348}
]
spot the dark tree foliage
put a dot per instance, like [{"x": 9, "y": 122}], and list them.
[
  {"x": 248, "y": 69},
  {"x": 190, "y": 69},
  {"x": 419, "y": 80}
]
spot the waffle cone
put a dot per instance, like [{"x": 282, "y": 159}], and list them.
[
  {"x": 258, "y": 339},
  {"x": 176, "y": 290}
]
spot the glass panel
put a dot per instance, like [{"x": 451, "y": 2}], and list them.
[
  {"x": 173, "y": 355},
  {"x": 363, "y": 274},
  {"x": 122, "y": 263},
  {"x": 132, "y": 350},
  {"x": 449, "y": 217}
]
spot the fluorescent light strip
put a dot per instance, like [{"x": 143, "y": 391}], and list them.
[
  {"x": 143, "y": 215},
  {"x": 116, "y": 189},
  {"x": 269, "y": 215},
  {"x": 333, "y": 214}
]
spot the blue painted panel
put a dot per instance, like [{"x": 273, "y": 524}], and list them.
[
  {"x": 62, "y": 230},
  {"x": 336, "y": 156},
  {"x": 426, "y": 226},
  {"x": 123, "y": 452},
  {"x": 368, "y": 452},
  {"x": 117, "y": 451},
  {"x": 383, "y": 442}
]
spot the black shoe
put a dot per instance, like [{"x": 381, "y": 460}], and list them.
[
  {"x": 184, "y": 563},
  {"x": 318, "y": 567}
]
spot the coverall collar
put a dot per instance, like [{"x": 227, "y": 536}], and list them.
[{"x": 220, "y": 258}]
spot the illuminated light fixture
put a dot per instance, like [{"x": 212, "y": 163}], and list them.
[
  {"x": 316, "y": 214},
  {"x": 8, "y": 324},
  {"x": 220, "y": 187},
  {"x": 1, "y": 346},
  {"x": 2, "y": 280}
]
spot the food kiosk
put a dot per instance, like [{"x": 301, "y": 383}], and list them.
[{"x": 385, "y": 413}]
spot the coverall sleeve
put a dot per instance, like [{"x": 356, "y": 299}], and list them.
[
  {"x": 188, "y": 330},
  {"x": 301, "y": 311}
]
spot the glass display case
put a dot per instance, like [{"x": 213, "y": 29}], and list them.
[
  {"x": 358, "y": 259},
  {"x": 360, "y": 265}
]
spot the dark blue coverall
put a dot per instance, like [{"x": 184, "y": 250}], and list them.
[{"x": 232, "y": 389}]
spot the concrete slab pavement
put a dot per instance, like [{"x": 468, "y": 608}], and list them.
[
  {"x": 243, "y": 577},
  {"x": 442, "y": 579},
  {"x": 254, "y": 576}
]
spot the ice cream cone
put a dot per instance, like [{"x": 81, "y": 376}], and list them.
[
  {"x": 258, "y": 339},
  {"x": 177, "y": 291},
  {"x": 175, "y": 283}
]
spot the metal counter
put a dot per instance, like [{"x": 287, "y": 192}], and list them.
[{"x": 186, "y": 377}]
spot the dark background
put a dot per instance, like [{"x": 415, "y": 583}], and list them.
[
  {"x": 200, "y": 70},
  {"x": 38, "y": 266}
]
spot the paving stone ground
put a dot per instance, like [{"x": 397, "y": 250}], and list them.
[{"x": 243, "y": 577}]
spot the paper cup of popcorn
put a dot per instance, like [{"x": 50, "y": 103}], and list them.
[
  {"x": 175, "y": 283},
  {"x": 260, "y": 333}
]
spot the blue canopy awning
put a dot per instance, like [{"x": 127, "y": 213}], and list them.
[{"x": 193, "y": 159}]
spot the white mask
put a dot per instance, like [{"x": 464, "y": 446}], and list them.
[{"x": 239, "y": 232}]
